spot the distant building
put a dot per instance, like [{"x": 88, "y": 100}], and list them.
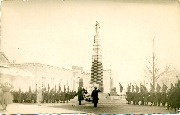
[
  {"x": 55, "y": 76},
  {"x": 3, "y": 59}
]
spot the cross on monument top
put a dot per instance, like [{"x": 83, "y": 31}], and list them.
[{"x": 97, "y": 27}]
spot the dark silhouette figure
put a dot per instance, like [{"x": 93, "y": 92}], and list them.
[
  {"x": 80, "y": 95},
  {"x": 94, "y": 95},
  {"x": 6, "y": 96}
]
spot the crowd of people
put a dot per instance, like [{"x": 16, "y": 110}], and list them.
[
  {"x": 161, "y": 97},
  {"x": 38, "y": 96},
  {"x": 5, "y": 95},
  {"x": 42, "y": 96},
  {"x": 134, "y": 95}
]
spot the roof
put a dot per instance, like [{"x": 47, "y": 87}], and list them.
[
  {"x": 3, "y": 58},
  {"x": 13, "y": 71}
]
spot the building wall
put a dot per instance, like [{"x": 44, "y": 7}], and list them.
[
  {"x": 106, "y": 80},
  {"x": 3, "y": 58},
  {"x": 46, "y": 74}
]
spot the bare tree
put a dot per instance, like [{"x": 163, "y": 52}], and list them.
[{"x": 153, "y": 70}]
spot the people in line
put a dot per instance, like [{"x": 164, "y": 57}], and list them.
[
  {"x": 169, "y": 98},
  {"x": 6, "y": 97},
  {"x": 39, "y": 96},
  {"x": 42, "y": 96}
]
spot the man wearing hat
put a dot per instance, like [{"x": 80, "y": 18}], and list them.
[{"x": 94, "y": 95}]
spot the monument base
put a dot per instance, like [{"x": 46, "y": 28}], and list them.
[
  {"x": 104, "y": 98},
  {"x": 113, "y": 94}
]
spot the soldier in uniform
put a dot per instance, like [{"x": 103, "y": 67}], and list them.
[
  {"x": 6, "y": 96},
  {"x": 94, "y": 95},
  {"x": 136, "y": 98},
  {"x": 176, "y": 94},
  {"x": 128, "y": 94},
  {"x": 45, "y": 95},
  {"x": 14, "y": 93},
  {"x": 168, "y": 99},
  {"x": 57, "y": 96},
  {"x": 146, "y": 98},
  {"x": 80, "y": 95},
  {"x": 163, "y": 98},
  {"x": 129, "y": 97},
  {"x": 155, "y": 99},
  {"x": 142, "y": 98},
  {"x": 39, "y": 96},
  {"x": 158, "y": 98},
  {"x": 151, "y": 98}
]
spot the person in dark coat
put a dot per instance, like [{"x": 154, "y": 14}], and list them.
[
  {"x": 80, "y": 95},
  {"x": 6, "y": 97},
  {"x": 94, "y": 95}
]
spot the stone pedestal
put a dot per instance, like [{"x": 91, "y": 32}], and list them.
[
  {"x": 104, "y": 98},
  {"x": 113, "y": 92}
]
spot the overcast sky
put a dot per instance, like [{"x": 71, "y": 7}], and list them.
[{"x": 61, "y": 34}]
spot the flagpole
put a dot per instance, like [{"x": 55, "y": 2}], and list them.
[
  {"x": 0, "y": 29},
  {"x": 153, "y": 69},
  {"x": 120, "y": 90}
]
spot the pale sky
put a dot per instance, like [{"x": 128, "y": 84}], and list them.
[{"x": 61, "y": 34}]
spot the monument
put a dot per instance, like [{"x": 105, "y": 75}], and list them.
[{"x": 97, "y": 66}]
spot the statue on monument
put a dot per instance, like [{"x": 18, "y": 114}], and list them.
[{"x": 97, "y": 27}]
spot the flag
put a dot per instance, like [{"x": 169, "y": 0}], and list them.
[
  {"x": 128, "y": 88},
  {"x": 121, "y": 87},
  {"x": 172, "y": 86},
  {"x": 178, "y": 84},
  {"x": 141, "y": 88},
  {"x": 19, "y": 89},
  {"x": 68, "y": 89},
  {"x": 158, "y": 87},
  {"x": 36, "y": 88},
  {"x": 164, "y": 88},
  {"x": 144, "y": 88},
  {"x": 59, "y": 88},
  {"x": 64, "y": 88},
  {"x": 151, "y": 87},
  {"x": 137, "y": 89},
  {"x": 55, "y": 88},
  {"x": 132, "y": 88},
  {"x": 29, "y": 88},
  {"x": 48, "y": 87}
]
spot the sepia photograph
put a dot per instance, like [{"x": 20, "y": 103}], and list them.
[{"x": 89, "y": 57}]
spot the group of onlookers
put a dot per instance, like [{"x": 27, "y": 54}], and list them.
[
  {"x": 42, "y": 96},
  {"x": 169, "y": 98},
  {"x": 5, "y": 95}
]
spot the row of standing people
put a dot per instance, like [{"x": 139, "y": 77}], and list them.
[
  {"x": 170, "y": 98},
  {"x": 52, "y": 96},
  {"x": 5, "y": 95},
  {"x": 146, "y": 98},
  {"x": 42, "y": 96}
]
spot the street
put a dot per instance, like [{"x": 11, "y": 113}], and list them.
[{"x": 119, "y": 106}]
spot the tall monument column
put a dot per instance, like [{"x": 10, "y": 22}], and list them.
[{"x": 97, "y": 66}]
